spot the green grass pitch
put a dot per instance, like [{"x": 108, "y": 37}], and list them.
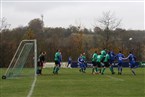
[{"x": 72, "y": 83}]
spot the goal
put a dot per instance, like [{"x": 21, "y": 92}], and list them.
[{"x": 26, "y": 51}]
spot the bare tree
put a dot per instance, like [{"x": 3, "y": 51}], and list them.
[
  {"x": 108, "y": 22},
  {"x": 3, "y": 24}
]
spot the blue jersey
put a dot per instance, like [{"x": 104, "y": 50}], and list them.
[
  {"x": 112, "y": 55},
  {"x": 120, "y": 57},
  {"x": 60, "y": 58},
  {"x": 69, "y": 60},
  {"x": 80, "y": 60},
  {"x": 131, "y": 58}
]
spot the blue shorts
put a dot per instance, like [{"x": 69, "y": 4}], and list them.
[
  {"x": 82, "y": 65},
  {"x": 120, "y": 63},
  {"x": 132, "y": 65},
  {"x": 111, "y": 61},
  {"x": 69, "y": 62}
]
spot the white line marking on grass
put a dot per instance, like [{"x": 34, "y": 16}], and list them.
[
  {"x": 118, "y": 79},
  {"x": 32, "y": 87}
]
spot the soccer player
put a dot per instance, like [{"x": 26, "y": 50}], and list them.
[
  {"x": 106, "y": 63},
  {"x": 69, "y": 62},
  {"x": 41, "y": 61},
  {"x": 57, "y": 62},
  {"x": 132, "y": 62},
  {"x": 60, "y": 59},
  {"x": 81, "y": 63},
  {"x": 111, "y": 61},
  {"x": 103, "y": 54},
  {"x": 120, "y": 57},
  {"x": 85, "y": 62},
  {"x": 94, "y": 62},
  {"x": 99, "y": 65}
]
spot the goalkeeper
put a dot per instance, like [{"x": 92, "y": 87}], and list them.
[{"x": 41, "y": 61}]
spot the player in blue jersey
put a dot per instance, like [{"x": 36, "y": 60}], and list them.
[
  {"x": 69, "y": 62},
  {"x": 111, "y": 61},
  {"x": 81, "y": 63},
  {"x": 132, "y": 62},
  {"x": 120, "y": 57}
]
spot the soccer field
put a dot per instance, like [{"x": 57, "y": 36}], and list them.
[{"x": 72, "y": 83}]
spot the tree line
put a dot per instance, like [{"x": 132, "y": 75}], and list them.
[{"x": 71, "y": 41}]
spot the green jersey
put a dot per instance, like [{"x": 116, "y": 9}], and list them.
[
  {"x": 84, "y": 58},
  {"x": 99, "y": 58},
  {"x": 94, "y": 57},
  {"x": 57, "y": 56},
  {"x": 107, "y": 57},
  {"x": 103, "y": 52}
]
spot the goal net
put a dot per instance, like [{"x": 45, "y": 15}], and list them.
[{"x": 25, "y": 56}]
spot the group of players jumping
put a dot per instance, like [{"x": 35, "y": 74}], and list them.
[{"x": 106, "y": 59}]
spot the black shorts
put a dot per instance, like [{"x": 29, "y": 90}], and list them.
[
  {"x": 40, "y": 64},
  {"x": 99, "y": 64},
  {"x": 56, "y": 62},
  {"x": 94, "y": 63},
  {"x": 106, "y": 64}
]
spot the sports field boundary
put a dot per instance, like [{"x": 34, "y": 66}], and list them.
[
  {"x": 32, "y": 87},
  {"x": 114, "y": 78}
]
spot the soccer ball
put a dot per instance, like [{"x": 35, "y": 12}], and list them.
[{"x": 130, "y": 38}]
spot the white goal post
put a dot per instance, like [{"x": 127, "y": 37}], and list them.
[{"x": 20, "y": 57}]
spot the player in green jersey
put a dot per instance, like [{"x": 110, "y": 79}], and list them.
[
  {"x": 106, "y": 63},
  {"x": 57, "y": 62},
  {"x": 103, "y": 53},
  {"x": 99, "y": 65},
  {"x": 94, "y": 62}
]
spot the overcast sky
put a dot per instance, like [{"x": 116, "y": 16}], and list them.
[{"x": 63, "y": 14}]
